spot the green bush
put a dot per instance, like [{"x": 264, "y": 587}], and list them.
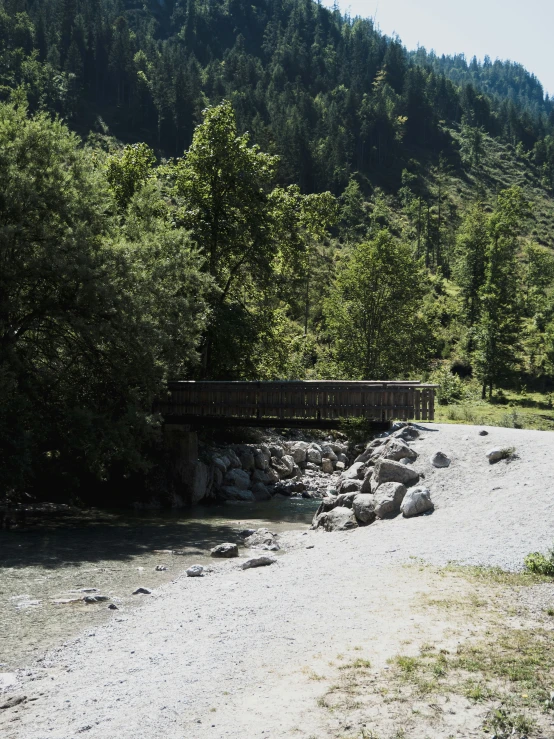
[
  {"x": 540, "y": 564},
  {"x": 450, "y": 387}
]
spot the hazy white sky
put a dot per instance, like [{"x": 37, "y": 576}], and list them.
[{"x": 506, "y": 29}]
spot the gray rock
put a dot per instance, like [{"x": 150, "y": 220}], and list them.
[
  {"x": 95, "y": 598},
  {"x": 197, "y": 482},
  {"x": 228, "y": 492},
  {"x": 396, "y": 449},
  {"x": 369, "y": 484},
  {"x": 483, "y": 432},
  {"x": 439, "y": 459},
  {"x": 355, "y": 472},
  {"x": 261, "y": 476},
  {"x": 312, "y": 466},
  {"x": 340, "y": 466},
  {"x": 113, "y": 607},
  {"x": 237, "y": 479},
  {"x": 262, "y": 539},
  {"x": 338, "y": 519},
  {"x": 272, "y": 475},
  {"x": 226, "y": 550},
  {"x": 261, "y": 561},
  {"x": 327, "y": 466},
  {"x": 328, "y": 453},
  {"x": 247, "y": 460},
  {"x": 220, "y": 464},
  {"x": 233, "y": 459},
  {"x": 387, "y": 470},
  {"x": 226, "y": 461},
  {"x": 342, "y": 458},
  {"x": 195, "y": 571},
  {"x": 494, "y": 455},
  {"x": 313, "y": 456},
  {"x": 408, "y": 433},
  {"x": 350, "y": 486},
  {"x": 416, "y": 501},
  {"x": 260, "y": 492},
  {"x": 142, "y": 591},
  {"x": 283, "y": 466},
  {"x": 364, "y": 508},
  {"x": 298, "y": 451},
  {"x": 276, "y": 451},
  {"x": 161, "y": 568},
  {"x": 388, "y": 499}
]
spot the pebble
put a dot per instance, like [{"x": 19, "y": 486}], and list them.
[
  {"x": 142, "y": 591},
  {"x": 195, "y": 571}
]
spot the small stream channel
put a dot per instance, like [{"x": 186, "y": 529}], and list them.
[{"x": 113, "y": 552}]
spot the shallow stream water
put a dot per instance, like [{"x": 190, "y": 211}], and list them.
[{"x": 113, "y": 552}]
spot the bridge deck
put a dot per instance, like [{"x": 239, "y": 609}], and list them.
[{"x": 307, "y": 403}]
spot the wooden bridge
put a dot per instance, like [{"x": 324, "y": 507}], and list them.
[{"x": 308, "y": 404}]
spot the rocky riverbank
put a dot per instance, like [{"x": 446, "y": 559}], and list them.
[
  {"x": 254, "y": 651},
  {"x": 299, "y": 466}
]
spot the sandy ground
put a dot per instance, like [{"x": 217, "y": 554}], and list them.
[{"x": 239, "y": 653}]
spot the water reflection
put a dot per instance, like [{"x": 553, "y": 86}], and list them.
[{"x": 112, "y": 552}]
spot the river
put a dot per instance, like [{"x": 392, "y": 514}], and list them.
[{"x": 113, "y": 552}]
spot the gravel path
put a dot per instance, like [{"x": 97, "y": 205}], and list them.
[{"x": 230, "y": 655}]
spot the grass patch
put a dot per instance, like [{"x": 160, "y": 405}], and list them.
[
  {"x": 498, "y": 576},
  {"x": 509, "y": 410}
]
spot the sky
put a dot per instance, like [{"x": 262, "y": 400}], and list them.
[{"x": 522, "y": 32}]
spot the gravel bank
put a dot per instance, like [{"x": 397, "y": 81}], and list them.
[{"x": 225, "y": 655}]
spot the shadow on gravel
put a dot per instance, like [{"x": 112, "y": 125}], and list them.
[{"x": 101, "y": 536}]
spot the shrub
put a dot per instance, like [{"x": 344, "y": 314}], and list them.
[
  {"x": 450, "y": 387},
  {"x": 540, "y": 564}
]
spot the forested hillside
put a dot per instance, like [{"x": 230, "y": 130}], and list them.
[{"x": 261, "y": 190}]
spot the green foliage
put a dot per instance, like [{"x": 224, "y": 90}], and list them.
[
  {"x": 450, "y": 388},
  {"x": 91, "y": 322},
  {"x": 128, "y": 172},
  {"x": 498, "y": 331},
  {"x": 375, "y": 312},
  {"x": 540, "y": 564}
]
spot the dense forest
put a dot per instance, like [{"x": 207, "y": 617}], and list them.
[{"x": 220, "y": 189}]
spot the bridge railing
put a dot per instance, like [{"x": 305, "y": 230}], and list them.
[{"x": 299, "y": 400}]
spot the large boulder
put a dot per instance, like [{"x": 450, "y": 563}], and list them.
[
  {"x": 219, "y": 464},
  {"x": 408, "y": 433},
  {"x": 328, "y": 453},
  {"x": 262, "y": 476},
  {"x": 364, "y": 508},
  {"x": 397, "y": 449},
  {"x": 313, "y": 455},
  {"x": 388, "y": 499},
  {"x": 369, "y": 484},
  {"x": 355, "y": 472},
  {"x": 298, "y": 451},
  {"x": 247, "y": 460},
  {"x": 416, "y": 501},
  {"x": 339, "y": 519},
  {"x": 260, "y": 492},
  {"x": 276, "y": 451},
  {"x": 197, "y": 482},
  {"x": 226, "y": 550},
  {"x": 350, "y": 486},
  {"x": 284, "y": 466},
  {"x": 234, "y": 460},
  {"x": 262, "y": 539},
  {"x": 238, "y": 478},
  {"x": 228, "y": 492},
  {"x": 327, "y": 466},
  {"x": 387, "y": 470},
  {"x": 261, "y": 462}
]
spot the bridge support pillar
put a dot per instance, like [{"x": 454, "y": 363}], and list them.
[{"x": 189, "y": 475}]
